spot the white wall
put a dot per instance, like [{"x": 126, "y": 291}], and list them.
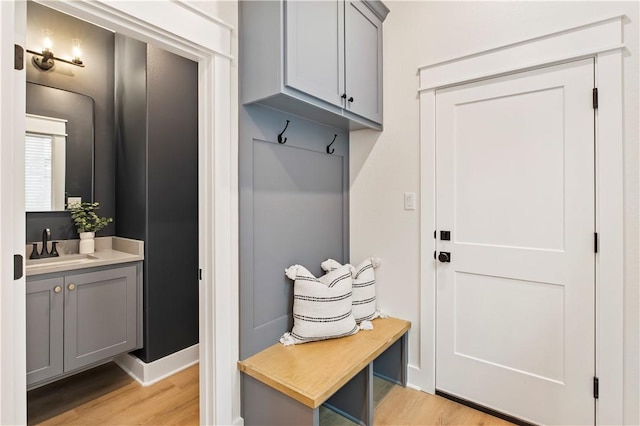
[{"x": 385, "y": 165}]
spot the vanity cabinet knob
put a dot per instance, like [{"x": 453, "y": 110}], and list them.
[
  {"x": 71, "y": 287},
  {"x": 57, "y": 289}
]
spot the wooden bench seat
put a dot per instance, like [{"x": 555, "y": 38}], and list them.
[{"x": 308, "y": 375}]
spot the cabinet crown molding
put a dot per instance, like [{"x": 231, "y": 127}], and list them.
[{"x": 378, "y": 8}]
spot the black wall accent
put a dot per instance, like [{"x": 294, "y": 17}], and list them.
[
  {"x": 157, "y": 187},
  {"x": 96, "y": 80}
]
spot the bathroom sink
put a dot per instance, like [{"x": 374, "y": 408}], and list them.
[{"x": 64, "y": 259}]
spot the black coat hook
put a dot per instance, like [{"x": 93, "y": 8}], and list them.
[
  {"x": 280, "y": 139},
  {"x": 329, "y": 149}
]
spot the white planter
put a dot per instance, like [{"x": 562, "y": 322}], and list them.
[{"x": 87, "y": 242}]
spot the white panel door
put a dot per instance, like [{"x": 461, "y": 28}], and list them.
[{"x": 515, "y": 187}]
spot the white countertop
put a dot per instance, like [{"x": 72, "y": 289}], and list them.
[{"x": 109, "y": 251}]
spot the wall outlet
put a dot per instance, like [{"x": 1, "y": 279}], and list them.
[{"x": 409, "y": 200}]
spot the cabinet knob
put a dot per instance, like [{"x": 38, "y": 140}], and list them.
[
  {"x": 344, "y": 96},
  {"x": 57, "y": 289},
  {"x": 71, "y": 287},
  {"x": 350, "y": 99}
]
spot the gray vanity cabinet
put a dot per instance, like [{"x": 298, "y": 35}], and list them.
[
  {"x": 100, "y": 315},
  {"x": 45, "y": 310},
  {"x": 318, "y": 59},
  {"x": 79, "y": 318}
]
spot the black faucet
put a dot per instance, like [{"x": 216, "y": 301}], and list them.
[{"x": 46, "y": 236}]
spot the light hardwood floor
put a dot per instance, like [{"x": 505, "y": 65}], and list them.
[{"x": 108, "y": 396}]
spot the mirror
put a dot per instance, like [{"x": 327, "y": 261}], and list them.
[{"x": 58, "y": 148}]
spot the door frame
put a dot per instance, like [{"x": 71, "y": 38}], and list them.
[
  {"x": 188, "y": 31},
  {"x": 601, "y": 40}
]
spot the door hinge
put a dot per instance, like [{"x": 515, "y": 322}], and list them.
[
  {"x": 596, "y": 388},
  {"x": 595, "y": 98},
  {"x": 18, "y": 57},
  {"x": 595, "y": 242},
  {"x": 200, "y": 274},
  {"x": 17, "y": 267}
]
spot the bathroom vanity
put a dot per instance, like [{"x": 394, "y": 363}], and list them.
[{"x": 83, "y": 310}]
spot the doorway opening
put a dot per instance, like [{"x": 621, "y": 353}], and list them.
[
  {"x": 142, "y": 118},
  {"x": 201, "y": 36}
]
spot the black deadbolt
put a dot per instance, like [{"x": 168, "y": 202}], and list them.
[{"x": 444, "y": 257}]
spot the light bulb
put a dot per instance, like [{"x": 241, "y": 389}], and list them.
[
  {"x": 47, "y": 44},
  {"x": 76, "y": 50},
  {"x": 75, "y": 43}
]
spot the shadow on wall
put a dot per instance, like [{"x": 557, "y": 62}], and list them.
[{"x": 361, "y": 144}]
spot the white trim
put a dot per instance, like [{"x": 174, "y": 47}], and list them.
[
  {"x": 148, "y": 22},
  {"x": 610, "y": 227},
  {"x": 13, "y": 364},
  {"x": 181, "y": 31},
  {"x": 602, "y": 40},
  {"x": 202, "y": 12},
  {"x": 570, "y": 44},
  {"x": 425, "y": 374},
  {"x": 149, "y": 373},
  {"x": 46, "y": 125}
]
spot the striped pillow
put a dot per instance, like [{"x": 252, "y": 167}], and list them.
[
  {"x": 364, "y": 288},
  {"x": 321, "y": 306}
]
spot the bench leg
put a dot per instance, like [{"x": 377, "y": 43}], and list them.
[
  {"x": 391, "y": 365},
  {"x": 263, "y": 405},
  {"x": 355, "y": 399}
]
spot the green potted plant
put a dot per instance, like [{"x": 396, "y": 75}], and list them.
[{"x": 87, "y": 223}]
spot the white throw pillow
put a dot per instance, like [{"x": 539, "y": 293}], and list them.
[
  {"x": 364, "y": 287},
  {"x": 321, "y": 306}
]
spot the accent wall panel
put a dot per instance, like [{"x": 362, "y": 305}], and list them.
[{"x": 293, "y": 210}]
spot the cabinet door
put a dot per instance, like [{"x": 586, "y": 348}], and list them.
[
  {"x": 314, "y": 48},
  {"x": 45, "y": 304},
  {"x": 363, "y": 61},
  {"x": 100, "y": 315}
]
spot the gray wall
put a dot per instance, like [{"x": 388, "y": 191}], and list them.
[
  {"x": 293, "y": 210},
  {"x": 157, "y": 187},
  {"x": 96, "y": 80}
]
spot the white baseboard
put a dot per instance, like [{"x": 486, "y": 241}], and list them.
[
  {"x": 149, "y": 373},
  {"x": 416, "y": 379}
]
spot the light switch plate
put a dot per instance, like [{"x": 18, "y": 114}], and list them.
[
  {"x": 73, "y": 200},
  {"x": 409, "y": 200}
]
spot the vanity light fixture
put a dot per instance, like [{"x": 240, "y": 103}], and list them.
[{"x": 45, "y": 60}]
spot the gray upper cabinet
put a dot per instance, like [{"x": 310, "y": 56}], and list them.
[
  {"x": 363, "y": 61},
  {"x": 314, "y": 49},
  {"x": 78, "y": 319},
  {"x": 318, "y": 59}
]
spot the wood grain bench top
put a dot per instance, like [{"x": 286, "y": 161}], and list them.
[{"x": 311, "y": 372}]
